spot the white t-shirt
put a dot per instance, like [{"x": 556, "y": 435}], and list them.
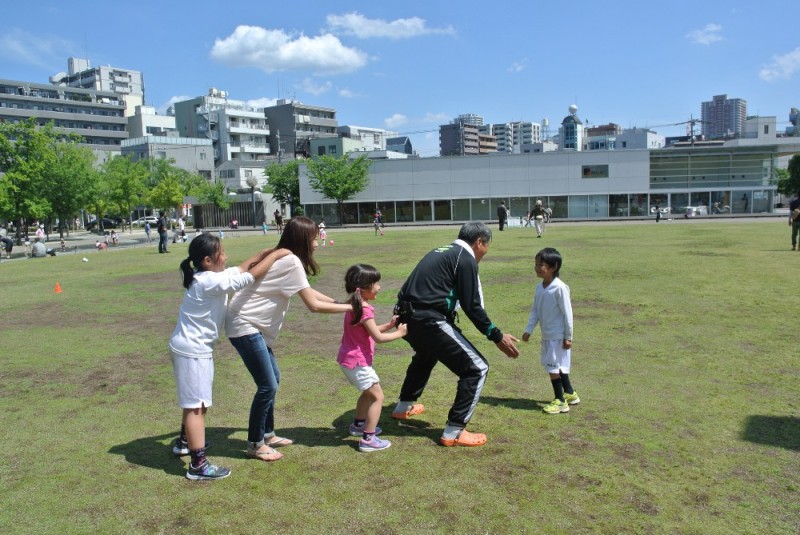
[
  {"x": 262, "y": 306},
  {"x": 552, "y": 310},
  {"x": 203, "y": 311}
]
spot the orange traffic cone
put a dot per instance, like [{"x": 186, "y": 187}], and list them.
[{"x": 58, "y": 289}]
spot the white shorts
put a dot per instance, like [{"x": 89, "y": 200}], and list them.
[
  {"x": 554, "y": 357},
  {"x": 361, "y": 377},
  {"x": 194, "y": 378}
]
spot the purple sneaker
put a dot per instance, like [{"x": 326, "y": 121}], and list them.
[{"x": 373, "y": 444}]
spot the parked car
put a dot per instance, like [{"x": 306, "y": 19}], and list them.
[
  {"x": 153, "y": 220},
  {"x": 108, "y": 223}
]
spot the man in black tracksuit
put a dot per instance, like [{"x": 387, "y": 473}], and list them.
[{"x": 445, "y": 277}]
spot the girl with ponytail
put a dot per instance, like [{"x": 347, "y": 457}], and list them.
[
  {"x": 362, "y": 283},
  {"x": 208, "y": 284}
]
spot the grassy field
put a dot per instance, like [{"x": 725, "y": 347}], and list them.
[{"x": 685, "y": 359}]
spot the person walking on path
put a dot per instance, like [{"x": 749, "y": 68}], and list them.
[
  {"x": 162, "y": 228},
  {"x": 445, "y": 277},
  {"x": 794, "y": 220},
  {"x": 147, "y": 231},
  {"x": 552, "y": 310},
  {"x": 254, "y": 319},
  {"x": 200, "y": 318},
  {"x": 356, "y": 353},
  {"x": 502, "y": 214}
]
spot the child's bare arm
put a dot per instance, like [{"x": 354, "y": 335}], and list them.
[
  {"x": 260, "y": 268},
  {"x": 380, "y": 337}
]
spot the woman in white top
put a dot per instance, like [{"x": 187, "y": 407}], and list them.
[{"x": 254, "y": 318}]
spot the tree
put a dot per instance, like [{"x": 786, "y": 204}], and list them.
[
  {"x": 789, "y": 179},
  {"x": 338, "y": 178},
  {"x": 214, "y": 193},
  {"x": 68, "y": 179},
  {"x": 25, "y": 151},
  {"x": 283, "y": 182},
  {"x": 127, "y": 181}
]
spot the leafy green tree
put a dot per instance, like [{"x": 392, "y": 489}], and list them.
[
  {"x": 25, "y": 152},
  {"x": 213, "y": 193},
  {"x": 68, "y": 179},
  {"x": 789, "y": 179},
  {"x": 127, "y": 181},
  {"x": 338, "y": 178},
  {"x": 99, "y": 197},
  {"x": 283, "y": 182}
]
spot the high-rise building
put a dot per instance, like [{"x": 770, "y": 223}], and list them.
[
  {"x": 292, "y": 124},
  {"x": 723, "y": 117},
  {"x": 511, "y": 136},
  {"x": 571, "y": 131},
  {"x": 97, "y": 116},
  {"x": 239, "y": 132},
  {"x": 458, "y": 139},
  {"x": 124, "y": 82}
]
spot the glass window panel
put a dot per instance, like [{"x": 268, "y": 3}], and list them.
[
  {"x": 618, "y": 206},
  {"x": 481, "y": 208},
  {"x": 518, "y": 206},
  {"x": 679, "y": 202},
  {"x": 331, "y": 214},
  {"x": 741, "y": 202},
  {"x": 461, "y": 210},
  {"x": 578, "y": 206},
  {"x": 405, "y": 211},
  {"x": 422, "y": 211},
  {"x": 638, "y": 204},
  {"x": 720, "y": 202},
  {"x": 559, "y": 206},
  {"x": 762, "y": 200},
  {"x": 598, "y": 206},
  {"x": 388, "y": 212},
  {"x": 441, "y": 211},
  {"x": 366, "y": 212}
]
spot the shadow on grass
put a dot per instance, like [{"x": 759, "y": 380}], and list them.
[
  {"x": 416, "y": 426},
  {"x": 781, "y": 431},
  {"x": 515, "y": 403}
]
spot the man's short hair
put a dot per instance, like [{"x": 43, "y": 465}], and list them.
[{"x": 475, "y": 230}]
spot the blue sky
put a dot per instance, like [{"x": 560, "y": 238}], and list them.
[{"x": 410, "y": 66}]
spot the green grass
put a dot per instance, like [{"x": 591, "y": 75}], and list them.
[{"x": 685, "y": 359}]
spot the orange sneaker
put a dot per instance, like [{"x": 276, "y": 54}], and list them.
[
  {"x": 465, "y": 438},
  {"x": 416, "y": 408}
]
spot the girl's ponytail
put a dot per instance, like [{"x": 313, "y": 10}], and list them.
[
  {"x": 187, "y": 272},
  {"x": 199, "y": 248}
]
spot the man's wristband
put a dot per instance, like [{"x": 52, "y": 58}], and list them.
[{"x": 496, "y": 335}]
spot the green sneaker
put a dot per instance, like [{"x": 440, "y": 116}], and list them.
[
  {"x": 572, "y": 399},
  {"x": 556, "y": 406}
]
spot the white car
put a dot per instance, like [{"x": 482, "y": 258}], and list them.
[{"x": 153, "y": 220}]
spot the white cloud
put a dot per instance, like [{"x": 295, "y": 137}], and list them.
[
  {"x": 310, "y": 86},
  {"x": 706, "y": 36},
  {"x": 398, "y": 119},
  {"x": 22, "y": 47},
  {"x": 347, "y": 93},
  {"x": 276, "y": 50},
  {"x": 263, "y": 102},
  {"x": 518, "y": 66},
  {"x": 783, "y": 66},
  {"x": 357, "y": 24},
  {"x": 436, "y": 118}
]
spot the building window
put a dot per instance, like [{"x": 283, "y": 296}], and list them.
[
  {"x": 202, "y": 155},
  {"x": 161, "y": 155},
  {"x": 248, "y": 173},
  {"x": 332, "y": 149},
  {"x": 766, "y": 129},
  {"x": 595, "y": 171},
  {"x": 321, "y": 150}
]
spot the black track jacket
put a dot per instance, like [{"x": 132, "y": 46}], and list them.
[{"x": 446, "y": 276}]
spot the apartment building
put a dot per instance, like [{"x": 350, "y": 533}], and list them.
[
  {"x": 511, "y": 136},
  {"x": 147, "y": 122},
  {"x": 571, "y": 133},
  {"x": 723, "y": 117},
  {"x": 459, "y": 139},
  {"x": 126, "y": 82},
  {"x": 292, "y": 124},
  {"x": 195, "y": 155},
  {"x": 97, "y": 116},
  {"x": 238, "y": 132},
  {"x": 370, "y": 138}
]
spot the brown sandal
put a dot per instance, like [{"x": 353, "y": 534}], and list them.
[{"x": 267, "y": 455}]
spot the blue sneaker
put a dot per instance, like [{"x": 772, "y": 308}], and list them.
[
  {"x": 357, "y": 431},
  {"x": 207, "y": 471},
  {"x": 374, "y": 444}
]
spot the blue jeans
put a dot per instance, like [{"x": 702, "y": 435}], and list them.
[{"x": 261, "y": 363}]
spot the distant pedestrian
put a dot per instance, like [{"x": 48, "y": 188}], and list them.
[
  {"x": 147, "y": 231},
  {"x": 8, "y": 245},
  {"x": 794, "y": 220},
  {"x": 162, "y": 227},
  {"x": 502, "y": 214},
  {"x": 264, "y": 227},
  {"x": 538, "y": 215},
  {"x": 278, "y": 221},
  {"x": 323, "y": 234}
]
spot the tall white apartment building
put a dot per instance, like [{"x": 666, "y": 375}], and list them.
[
  {"x": 723, "y": 117},
  {"x": 238, "y": 132},
  {"x": 512, "y": 136},
  {"x": 125, "y": 82}
]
